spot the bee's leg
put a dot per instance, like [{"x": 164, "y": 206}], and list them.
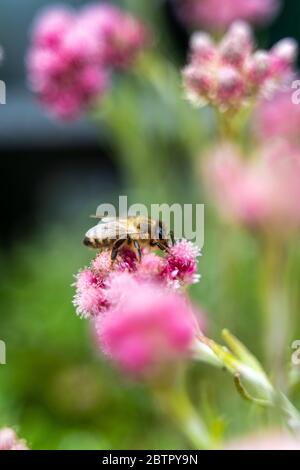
[
  {"x": 161, "y": 246},
  {"x": 172, "y": 237},
  {"x": 158, "y": 244},
  {"x": 138, "y": 249},
  {"x": 116, "y": 247}
]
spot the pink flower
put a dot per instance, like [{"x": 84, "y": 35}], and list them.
[
  {"x": 86, "y": 279},
  {"x": 10, "y": 441},
  {"x": 142, "y": 321},
  {"x": 283, "y": 56},
  {"x": 51, "y": 26},
  {"x": 72, "y": 53},
  {"x": 182, "y": 262},
  {"x": 90, "y": 302},
  {"x": 271, "y": 440},
  {"x": 230, "y": 74},
  {"x": 102, "y": 263},
  {"x": 151, "y": 267},
  {"x": 102, "y": 286},
  {"x": 149, "y": 328},
  {"x": 218, "y": 15},
  {"x": 120, "y": 286},
  {"x": 237, "y": 45},
  {"x": 126, "y": 261},
  {"x": 94, "y": 284},
  {"x": 203, "y": 47},
  {"x": 121, "y": 35},
  {"x": 79, "y": 45},
  {"x": 90, "y": 298},
  {"x": 230, "y": 86},
  {"x": 66, "y": 73},
  {"x": 278, "y": 118},
  {"x": 262, "y": 192}
]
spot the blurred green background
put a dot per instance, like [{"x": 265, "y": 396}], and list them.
[{"x": 55, "y": 389}]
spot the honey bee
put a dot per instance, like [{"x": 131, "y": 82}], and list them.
[{"x": 135, "y": 231}]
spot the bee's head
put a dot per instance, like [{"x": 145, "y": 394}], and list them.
[{"x": 87, "y": 241}]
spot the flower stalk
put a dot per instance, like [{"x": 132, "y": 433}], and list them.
[
  {"x": 174, "y": 401},
  {"x": 275, "y": 298}
]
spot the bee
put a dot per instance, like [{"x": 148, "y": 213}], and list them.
[{"x": 134, "y": 231}]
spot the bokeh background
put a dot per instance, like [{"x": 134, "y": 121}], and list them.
[{"x": 55, "y": 389}]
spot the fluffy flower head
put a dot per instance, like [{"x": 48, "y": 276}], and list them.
[
  {"x": 182, "y": 262},
  {"x": 51, "y": 25},
  {"x": 99, "y": 287},
  {"x": 65, "y": 72},
  {"x": 278, "y": 118},
  {"x": 261, "y": 193},
  {"x": 90, "y": 298},
  {"x": 10, "y": 441},
  {"x": 72, "y": 54},
  {"x": 229, "y": 74},
  {"x": 121, "y": 35},
  {"x": 149, "y": 328}
]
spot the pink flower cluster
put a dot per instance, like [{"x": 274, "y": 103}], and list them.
[
  {"x": 219, "y": 14},
  {"x": 10, "y": 441},
  {"x": 120, "y": 35},
  {"x": 141, "y": 316},
  {"x": 93, "y": 285},
  {"x": 148, "y": 328},
  {"x": 273, "y": 439},
  {"x": 278, "y": 118},
  {"x": 72, "y": 55},
  {"x": 232, "y": 73},
  {"x": 261, "y": 191}
]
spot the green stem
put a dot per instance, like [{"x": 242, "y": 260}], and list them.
[
  {"x": 226, "y": 127},
  {"x": 233, "y": 123},
  {"x": 175, "y": 402},
  {"x": 275, "y": 298}
]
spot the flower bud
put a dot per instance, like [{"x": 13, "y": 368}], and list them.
[
  {"x": 258, "y": 67},
  {"x": 284, "y": 54},
  {"x": 233, "y": 53},
  {"x": 198, "y": 83},
  {"x": 202, "y": 47},
  {"x": 241, "y": 33},
  {"x": 230, "y": 86},
  {"x": 10, "y": 441}
]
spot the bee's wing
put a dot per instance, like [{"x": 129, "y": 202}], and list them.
[
  {"x": 131, "y": 227},
  {"x": 102, "y": 218},
  {"x": 115, "y": 228},
  {"x": 109, "y": 228},
  {"x": 128, "y": 227}
]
